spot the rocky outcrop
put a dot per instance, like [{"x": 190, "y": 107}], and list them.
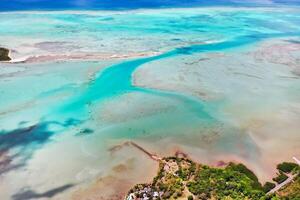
[{"x": 4, "y": 54}]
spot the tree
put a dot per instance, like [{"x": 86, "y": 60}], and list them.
[
  {"x": 287, "y": 167},
  {"x": 280, "y": 178},
  {"x": 268, "y": 186}
]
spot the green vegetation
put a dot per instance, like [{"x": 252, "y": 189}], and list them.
[
  {"x": 292, "y": 191},
  {"x": 180, "y": 178},
  {"x": 287, "y": 167},
  {"x": 280, "y": 178},
  {"x": 268, "y": 186},
  {"x": 4, "y": 54},
  {"x": 221, "y": 183},
  {"x": 244, "y": 170}
]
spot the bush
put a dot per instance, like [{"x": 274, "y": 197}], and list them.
[
  {"x": 193, "y": 168},
  {"x": 244, "y": 170},
  {"x": 268, "y": 186},
  {"x": 280, "y": 178},
  {"x": 287, "y": 167},
  {"x": 190, "y": 197},
  {"x": 223, "y": 183}
]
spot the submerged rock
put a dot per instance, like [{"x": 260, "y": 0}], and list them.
[{"x": 4, "y": 54}]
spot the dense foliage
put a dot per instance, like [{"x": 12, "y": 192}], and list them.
[
  {"x": 222, "y": 183},
  {"x": 268, "y": 186},
  {"x": 180, "y": 178},
  {"x": 287, "y": 167},
  {"x": 280, "y": 178},
  {"x": 244, "y": 170}
]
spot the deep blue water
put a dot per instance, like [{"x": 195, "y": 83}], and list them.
[{"x": 11, "y": 5}]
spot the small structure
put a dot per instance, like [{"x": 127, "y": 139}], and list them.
[
  {"x": 131, "y": 197},
  {"x": 297, "y": 161}
]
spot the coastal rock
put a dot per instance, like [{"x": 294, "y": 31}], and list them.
[{"x": 4, "y": 54}]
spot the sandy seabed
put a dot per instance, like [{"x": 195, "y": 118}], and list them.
[{"x": 236, "y": 105}]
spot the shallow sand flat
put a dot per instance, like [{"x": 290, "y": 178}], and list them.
[
  {"x": 90, "y": 172},
  {"x": 179, "y": 129},
  {"x": 91, "y": 34},
  {"x": 83, "y": 156},
  {"x": 250, "y": 91},
  {"x": 30, "y": 34},
  {"x": 236, "y": 76},
  {"x": 33, "y": 86},
  {"x": 85, "y": 162},
  {"x": 28, "y": 92},
  {"x": 61, "y": 119},
  {"x": 204, "y": 75},
  {"x": 134, "y": 168}
]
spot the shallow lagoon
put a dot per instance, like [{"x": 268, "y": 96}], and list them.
[{"x": 59, "y": 119}]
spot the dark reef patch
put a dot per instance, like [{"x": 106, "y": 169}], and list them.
[
  {"x": 30, "y": 194},
  {"x": 4, "y": 54},
  {"x": 24, "y": 141},
  {"x": 85, "y": 131},
  {"x": 294, "y": 41}
]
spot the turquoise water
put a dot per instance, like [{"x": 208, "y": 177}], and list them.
[
  {"x": 113, "y": 32},
  {"x": 117, "y": 79},
  {"x": 75, "y": 110},
  {"x": 126, "y": 4}
]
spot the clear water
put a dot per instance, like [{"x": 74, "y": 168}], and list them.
[
  {"x": 71, "y": 112},
  {"x": 127, "y": 4}
]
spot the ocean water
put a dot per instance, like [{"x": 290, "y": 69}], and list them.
[
  {"x": 9, "y": 5},
  {"x": 58, "y": 119}
]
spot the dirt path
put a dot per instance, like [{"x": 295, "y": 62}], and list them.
[{"x": 279, "y": 186}]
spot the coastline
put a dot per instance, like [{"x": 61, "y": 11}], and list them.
[
  {"x": 237, "y": 105},
  {"x": 78, "y": 57},
  {"x": 182, "y": 168}
]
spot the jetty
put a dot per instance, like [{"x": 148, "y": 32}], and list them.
[{"x": 152, "y": 156}]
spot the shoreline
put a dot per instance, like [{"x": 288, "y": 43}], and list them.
[
  {"x": 219, "y": 161},
  {"x": 168, "y": 167},
  {"x": 77, "y": 57}
]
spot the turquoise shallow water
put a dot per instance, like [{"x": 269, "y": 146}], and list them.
[
  {"x": 124, "y": 5},
  {"x": 126, "y": 32},
  {"x": 117, "y": 79},
  {"x": 86, "y": 107}
]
